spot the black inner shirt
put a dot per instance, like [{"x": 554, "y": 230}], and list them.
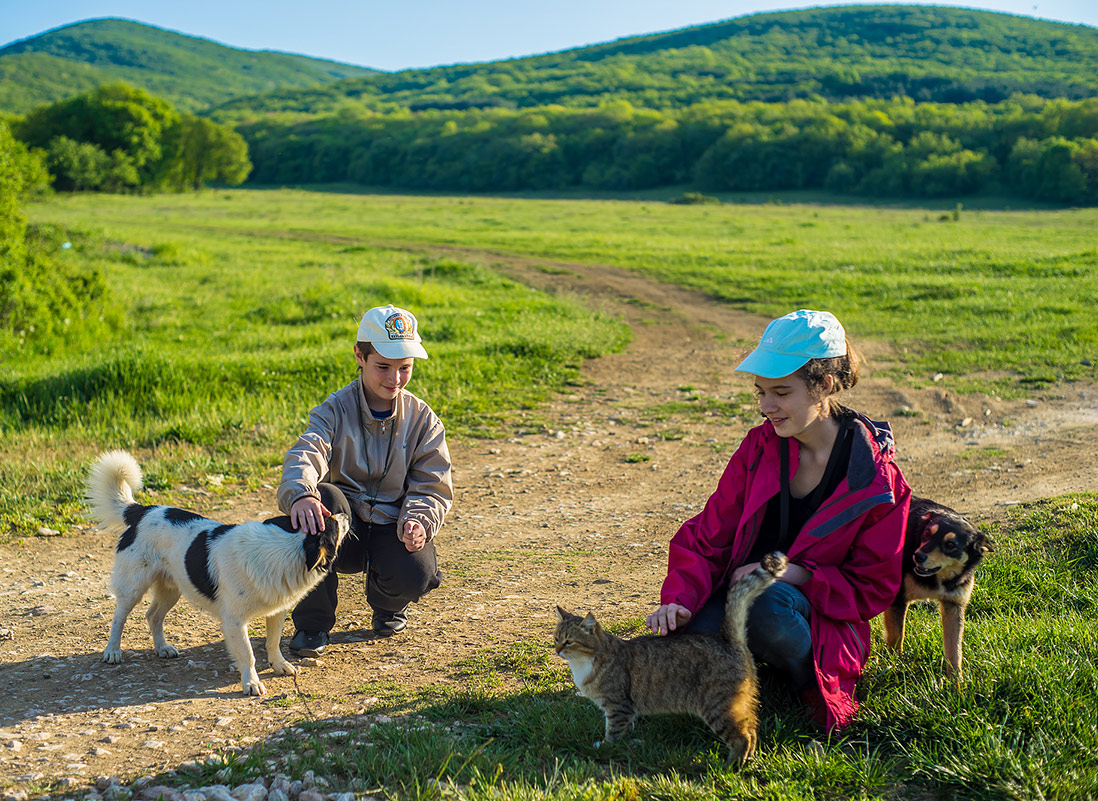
[{"x": 800, "y": 509}]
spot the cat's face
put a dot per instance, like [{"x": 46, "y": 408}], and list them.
[{"x": 575, "y": 635}]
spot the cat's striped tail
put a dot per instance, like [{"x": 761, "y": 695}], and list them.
[{"x": 744, "y": 592}]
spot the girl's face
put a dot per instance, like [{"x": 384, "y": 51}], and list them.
[
  {"x": 787, "y": 403},
  {"x": 383, "y": 378}
]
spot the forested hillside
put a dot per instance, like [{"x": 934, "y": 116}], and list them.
[
  {"x": 879, "y": 101},
  {"x": 189, "y": 72},
  {"x": 925, "y": 53}
]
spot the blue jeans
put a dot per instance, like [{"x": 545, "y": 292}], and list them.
[{"x": 778, "y": 633}]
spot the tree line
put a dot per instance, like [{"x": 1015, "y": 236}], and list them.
[
  {"x": 118, "y": 138},
  {"x": 1028, "y": 146}
]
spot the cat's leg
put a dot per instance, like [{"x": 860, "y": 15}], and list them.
[
  {"x": 619, "y": 714},
  {"x": 735, "y": 721}
]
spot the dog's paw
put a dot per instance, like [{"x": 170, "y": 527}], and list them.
[
  {"x": 112, "y": 656},
  {"x": 167, "y": 652},
  {"x": 255, "y": 688},
  {"x": 283, "y": 668}
]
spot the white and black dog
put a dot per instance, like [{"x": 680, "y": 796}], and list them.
[{"x": 235, "y": 573}]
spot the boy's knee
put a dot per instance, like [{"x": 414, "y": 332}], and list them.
[
  {"x": 333, "y": 499},
  {"x": 413, "y": 578}
]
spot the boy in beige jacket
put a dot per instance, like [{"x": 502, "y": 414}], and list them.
[{"x": 376, "y": 451}]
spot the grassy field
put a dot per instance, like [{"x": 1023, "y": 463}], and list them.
[
  {"x": 230, "y": 336},
  {"x": 1001, "y": 299},
  {"x": 239, "y": 309}
]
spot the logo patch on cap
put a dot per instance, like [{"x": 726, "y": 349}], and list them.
[{"x": 400, "y": 326}]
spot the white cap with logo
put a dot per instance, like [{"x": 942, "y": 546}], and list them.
[{"x": 393, "y": 332}]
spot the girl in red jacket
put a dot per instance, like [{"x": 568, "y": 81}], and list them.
[{"x": 818, "y": 482}]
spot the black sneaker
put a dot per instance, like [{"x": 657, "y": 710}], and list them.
[
  {"x": 386, "y": 624},
  {"x": 309, "y": 643}
]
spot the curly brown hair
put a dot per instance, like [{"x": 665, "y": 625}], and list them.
[{"x": 843, "y": 368}]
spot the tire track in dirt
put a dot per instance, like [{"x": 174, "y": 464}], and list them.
[{"x": 575, "y": 508}]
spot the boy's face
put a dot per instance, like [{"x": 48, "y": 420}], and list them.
[{"x": 383, "y": 378}]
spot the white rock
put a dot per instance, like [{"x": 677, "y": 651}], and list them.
[{"x": 249, "y": 792}]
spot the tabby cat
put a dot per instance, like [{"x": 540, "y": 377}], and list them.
[{"x": 707, "y": 675}]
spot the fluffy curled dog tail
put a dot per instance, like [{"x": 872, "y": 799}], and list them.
[
  {"x": 744, "y": 592},
  {"x": 112, "y": 482}
]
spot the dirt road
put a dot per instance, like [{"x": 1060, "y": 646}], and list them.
[{"x": 577, "y": 510}]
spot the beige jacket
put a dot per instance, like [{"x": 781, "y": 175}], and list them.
[{"x": 417, "y": 484}]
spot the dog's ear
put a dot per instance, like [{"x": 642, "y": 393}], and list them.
[
  {"x": 320, "y": 548},
  {"x": 315, "y": 551},
  {"x": 983, "y": 544}
]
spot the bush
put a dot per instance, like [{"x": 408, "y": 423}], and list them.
[
  {"x": 44, "y": 301},
  {"x": 695, "y": 199}
]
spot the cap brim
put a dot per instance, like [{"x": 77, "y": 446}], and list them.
[
  {"x": 768, "y": 364},
  {"x": 400, "y": 350}
]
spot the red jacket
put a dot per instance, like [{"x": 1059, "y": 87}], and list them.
[{"x": 852, "y": 547}]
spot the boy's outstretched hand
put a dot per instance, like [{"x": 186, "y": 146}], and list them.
[
  {"x": 308, "y": 515},
  {"x": 414, "y": 536}
]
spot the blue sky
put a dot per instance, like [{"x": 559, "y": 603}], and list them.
[{"x": 397, "y": 34}]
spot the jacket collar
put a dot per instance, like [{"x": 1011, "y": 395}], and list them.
[
  {"x": 368, "y": 418},
  {"x": 872, "y": 445}
]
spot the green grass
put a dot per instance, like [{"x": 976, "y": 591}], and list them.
[
  {"x": 999, "y": 300},
  {"x": 239, "y": 307},
  {"x": 231, "y": 337}
]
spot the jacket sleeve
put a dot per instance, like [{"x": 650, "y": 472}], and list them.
[
  {"x": 867, "y": 580},
  {"x": 306, "y": 462},
  {"x": 701, "y": 550},
  {"x": 430, "y": 490}
]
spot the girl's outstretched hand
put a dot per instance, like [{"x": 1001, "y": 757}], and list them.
[{"x": 668, "y": 618}]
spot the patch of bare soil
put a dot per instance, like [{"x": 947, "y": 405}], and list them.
[{"x": 578, "y": 511}]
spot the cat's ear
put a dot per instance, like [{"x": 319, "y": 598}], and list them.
[
  {"x": 589, "y": 622},
  {"x": 561, "y": 613}
]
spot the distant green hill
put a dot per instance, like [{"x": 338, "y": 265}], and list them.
[
  {"x": 923, "y": 52},
  {"x": 190, "y": 72}
]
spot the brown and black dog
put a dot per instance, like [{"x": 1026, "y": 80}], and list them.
[{"x": 941, "y": 552}]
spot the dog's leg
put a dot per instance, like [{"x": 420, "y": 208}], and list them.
[
  {"x": 164, "y": 597},
  {"x": 894, "y": 618},
  {"x": 240, "y": 649},
  {"x": 128, "y": 590},
  {"x": 274, "y": 639},
  {"x": 953, "y": 631}
]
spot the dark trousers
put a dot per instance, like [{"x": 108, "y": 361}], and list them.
[
  {"x": 394, "y": 577},
  {"x": 778, "y": 632}
]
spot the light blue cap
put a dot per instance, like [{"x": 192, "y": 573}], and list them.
[{"x": 790, "y": 342}]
